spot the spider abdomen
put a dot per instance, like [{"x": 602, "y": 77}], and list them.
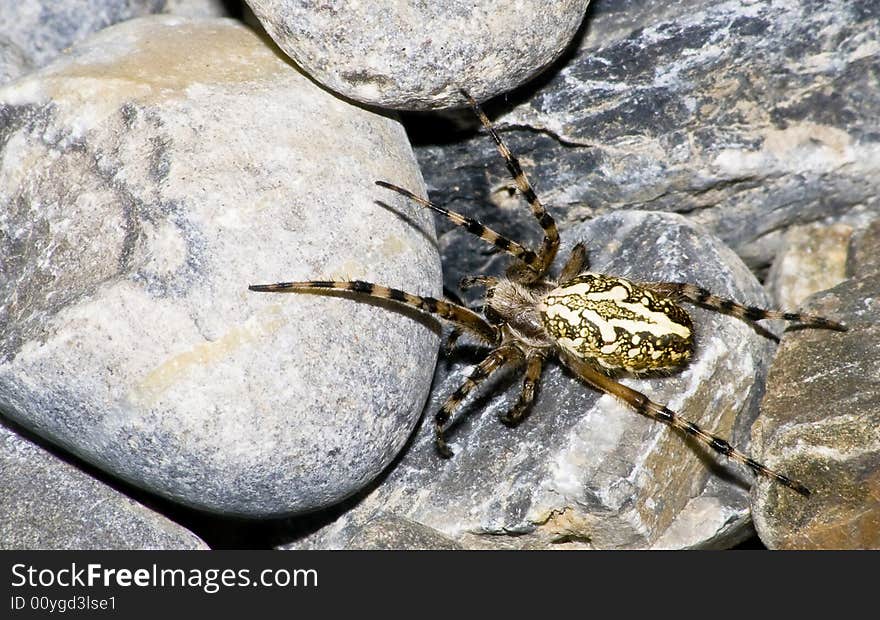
[{"x": 617, "y": 324}]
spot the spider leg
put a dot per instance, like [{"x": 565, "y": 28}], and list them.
[
  {"x": 703, "y": 297},
  {"x": 459, "y": 315},
  {"x": 643, "y": 405},
  {"x": 576, "y": 263},
  {"x": 534, "y": 365},
  {"x": 497, "y": 359},
  {"x": 472, "y": 226},
  {"x": 550, "y": 244}
]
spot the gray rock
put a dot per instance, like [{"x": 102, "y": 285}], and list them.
[
  {"x": 145, "y": 180},
  {"x": 735, "y": 114},
  {"x": 820, "y": 421},
  {"x": 417, "y": 55},
  {"x": 584, "y": 471},
  {"x": 13, "y": 61},
  {"x": 46, "y": 503},
  {"x": 43, "y": 29}
]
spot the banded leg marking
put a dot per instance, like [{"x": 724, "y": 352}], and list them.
[
  {"x": 550, "y": 244},
  {"x": 497, "y": 359},
  {"x": 703, "y": 297},
  {"x": 460, "y": 315},
  {"x": 575, "y": 265},
  {"x": 534, "y": 365},
  {"x": 472, "y": 226},
  {"x": 645, "y": 406}
]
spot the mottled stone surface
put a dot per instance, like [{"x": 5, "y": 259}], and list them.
[
  {"x": 820, "y": 421},
  {"x": 812, "y": 258},
  {"x": 46, "y": 503},
  {"x": 745, "y": 116},
  {"x": 145, "y": 180},
  {"x": 417, "y": 55},
  {"x": 395, "y": 533},
  {"x": 13, "y": 61},
  {"x": 43, "y": 29},
  {"x": 584, "y": 471}
]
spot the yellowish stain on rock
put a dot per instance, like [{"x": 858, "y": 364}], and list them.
[
  {"x": 179, "y": 367},
  {"x": 391, "y": 246}
]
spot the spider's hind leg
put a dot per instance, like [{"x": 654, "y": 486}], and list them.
[
  {"x": 645, "y": 406},
  {"x": 496, "y": 360},
  {"x": 702, "y": 297}
]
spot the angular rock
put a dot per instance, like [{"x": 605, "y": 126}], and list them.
[
  {"x": 584, "y": 471},
  {"x": 812, "y": 258},
  {"x": 145, "y": 180},
  {"x": 46, "y": 503},
  {"x": 820, "y": 420},
  {"x": 747, "y": 117},
  {"x": 417, "y": 55}
]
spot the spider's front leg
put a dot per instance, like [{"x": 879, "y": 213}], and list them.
[
  {"x": 459, "y": 315},
  {"x": 645, "y": 406},
  {"x": 702, "y": 297},
  {"x": 499, "y": 358},
  {"x": 534, "y": 366}
]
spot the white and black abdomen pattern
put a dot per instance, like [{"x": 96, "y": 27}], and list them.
[{"x": 617, "y": 323}]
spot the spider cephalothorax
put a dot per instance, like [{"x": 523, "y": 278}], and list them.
[{"x": 598, "y": 325}]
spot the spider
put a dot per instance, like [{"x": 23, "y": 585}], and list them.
[{"x": 600, "y": 326}]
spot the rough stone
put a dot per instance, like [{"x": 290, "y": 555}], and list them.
[
  {"x": 13, "y": 61},
  {"x": 820, "y": 421},
  {"x": 46, "y": 503},
  {"x": 417, "y": 55},
  {"x": 43, "y": 29},
  {"x": 812, "y": 258},
  {"x": 145, "y": 180},
  {"x": 747, "y": 117},
  {"x": 584, "y": 471}
]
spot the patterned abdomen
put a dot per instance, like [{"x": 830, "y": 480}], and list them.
[{"x": 618, "y": 324}]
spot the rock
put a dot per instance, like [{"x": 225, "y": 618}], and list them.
[
  {"x": 584, "y": 471},
  {"x": 417, "y": 55},
  {"x": 812, "y": 258},
  {"x": 43, "y": 29},
  {"x": 46, "y": 503},
  {"x": 820, "y": 421},
  {"x": 863, "y": 258},
  {"x": 394, "y": 533},
  {"x": 202, "y": 8},
  {"x": 735, "y": 114},
  {"x": 146, "y": 179},
  {"x": 13, "y": 61}
]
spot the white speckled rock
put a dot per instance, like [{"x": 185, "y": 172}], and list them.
[
  {"x": 583, "y": 470},
  {"x": 145, "y": 180},
  {"x": 415, "y": 55},
  {"x": 46, "y": 503}
]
